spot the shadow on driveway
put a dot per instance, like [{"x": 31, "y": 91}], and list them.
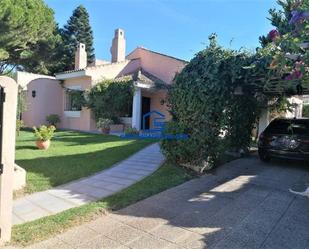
[{"x": 243, "y": 204}]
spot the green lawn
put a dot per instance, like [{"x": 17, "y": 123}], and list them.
[
  {"x": 72, "y": 155},
  {"x": 165, "y": 177}
]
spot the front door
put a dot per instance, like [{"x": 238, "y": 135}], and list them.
[{"x": 145, "y": 110}]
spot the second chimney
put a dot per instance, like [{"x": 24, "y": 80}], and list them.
[
  {"x": 80, "y": 57},
  {"x": 118, "y": 49}
]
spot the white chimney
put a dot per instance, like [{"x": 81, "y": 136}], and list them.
[
  {"x": 80, "y": 57},
  {"x": 118, "y": 49}
]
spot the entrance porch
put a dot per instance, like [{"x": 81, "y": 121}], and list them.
[{"x": 149, "y": 110}]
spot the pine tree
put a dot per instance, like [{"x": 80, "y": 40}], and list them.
[
  {"x": 75, "y": 31},
  {"x": 26, "y": 33}
]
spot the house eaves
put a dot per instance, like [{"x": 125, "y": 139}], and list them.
[{"x": 71, "y": 74}]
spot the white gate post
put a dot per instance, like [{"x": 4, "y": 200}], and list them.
[{"x": 8, "y": 156}]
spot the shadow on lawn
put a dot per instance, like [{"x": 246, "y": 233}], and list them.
[
  {"x": 26, "y": 147},
  {"x": 46, "y": 172},
  {"x": 243, "y": 204},
  {"x": 84, "y": 138}
]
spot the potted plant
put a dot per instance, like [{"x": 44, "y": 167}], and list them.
[
  {"x": 117, "y": 125},
  {"x": 104, "y": 124},
  {"x": 53, "y": 119},
  {"x": 43, "y": 135}
]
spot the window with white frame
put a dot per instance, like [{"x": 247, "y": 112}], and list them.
[{"x": 73, "y": 100}]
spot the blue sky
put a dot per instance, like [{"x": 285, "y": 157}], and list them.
[{"x": 176, "y": 27}]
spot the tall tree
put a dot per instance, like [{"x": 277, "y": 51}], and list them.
[
  {"x": 26, "y": 27},
  {"x": 77, "y": 30}
]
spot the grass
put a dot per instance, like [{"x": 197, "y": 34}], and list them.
[
  {"x": 72, "y": 155},
  {"x": 165, "y": 177}
]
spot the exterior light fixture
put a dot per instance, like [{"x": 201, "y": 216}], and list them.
[{"x": 33, "y": 94}]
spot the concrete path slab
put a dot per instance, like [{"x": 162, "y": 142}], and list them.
[
  {"x": 98, "y": 186},
  {"x": 235, "y": 207}
]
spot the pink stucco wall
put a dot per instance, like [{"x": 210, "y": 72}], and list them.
[
  {"x": 8, "y": 157},
  {"x": 161, "y": 66},
  {"x": 23, "y": 78},
  {"x": 51, "y": 99},
  {"x": 84, "y": 122},
  {"x": 48, "y": 100},
  {"x": 156, "y": 103}
]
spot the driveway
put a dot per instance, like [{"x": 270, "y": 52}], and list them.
[{"x": 243, "y": 204}]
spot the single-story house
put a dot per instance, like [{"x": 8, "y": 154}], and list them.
[{"x": 48, "y": 95}]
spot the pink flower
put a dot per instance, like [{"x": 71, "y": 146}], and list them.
[
  {"x": 295, "y": 74},
  {"x": 274, "y": 35}
]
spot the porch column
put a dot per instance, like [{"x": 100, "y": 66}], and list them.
[
  {"x": 137, "y": 108},
  {"x": 7, "y": 156},
  {"x": 263, "y": 120}
]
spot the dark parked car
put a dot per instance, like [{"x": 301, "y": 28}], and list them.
[{"x": 285, "y": 138}]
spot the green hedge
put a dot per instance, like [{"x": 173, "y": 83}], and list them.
[
  {"x": 203, "y": 104},
  {"x": 111, "y": 99}
]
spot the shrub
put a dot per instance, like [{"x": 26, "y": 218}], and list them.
[
  {"x": 203, "y": 105},
  {"x": 19, "y": 124},
  {"x": 176, "y": 151},
  {"x": 130, "y": 130},
  {"x": 116, "y": 120},
  {"x": 104, "y": 123},
  {"x": 53, "y": 119},
  {"x": 110, "y": 99},
  {"x": 44, "y": 133}
]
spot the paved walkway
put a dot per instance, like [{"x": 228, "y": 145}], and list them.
[
  {"x": 244, "y": 204},
  {"x": 73, "y": 194}
]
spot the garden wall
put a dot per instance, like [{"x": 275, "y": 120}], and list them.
[{"x": 43, "y": 97}]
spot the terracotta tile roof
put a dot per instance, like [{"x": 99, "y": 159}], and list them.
[
  {"x": 142, "y": 76},
  {"x": 70, "y": 71},
  {"x": 166, "y": 55},
  {"x": 94, "y": 67}
]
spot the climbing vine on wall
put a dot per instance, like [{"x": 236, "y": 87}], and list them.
[
  {"x": 203, "y": 102},
  {"x": 111, "y": 98}
]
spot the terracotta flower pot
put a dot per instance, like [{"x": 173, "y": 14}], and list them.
[
  {"x": 105, "y": 130},
  {"x": 42, "y": 145}
]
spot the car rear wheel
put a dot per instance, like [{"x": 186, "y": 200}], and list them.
[{"x": 264, "y": 157}]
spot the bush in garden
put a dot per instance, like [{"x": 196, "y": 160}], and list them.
[
  {"x": 175, "y": 150},
  {"x": 203, "y": 105},
  {"x": 53, "y": 119},
  {"x": 130, "y": 130},
  {"x": 104, "y": 123},
  {"x": 110, "y": 99}
]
